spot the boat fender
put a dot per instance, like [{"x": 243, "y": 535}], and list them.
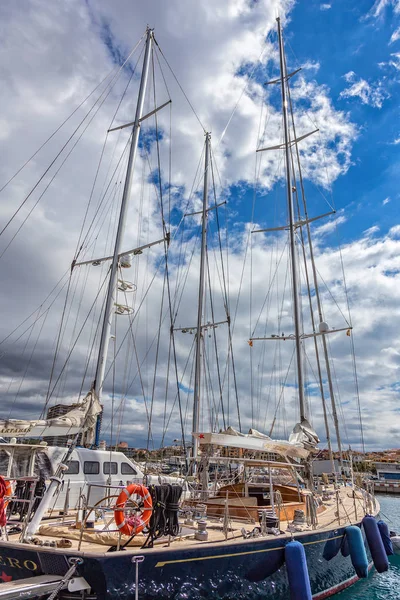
[
  {"x": 357, "y": 551},
  {"x": 395, "y": 539},
  {"x": 375, "y": 544},
  {"x": 385, "y": 535},
  {"x": 297, "y": 571},
  {"x": 332, "y": 547},
  {"x": 345, "y": 550}
]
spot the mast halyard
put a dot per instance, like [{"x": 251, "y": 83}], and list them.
[
  {"x": 109, "y": 308},
  {"x": 197, "y": 375},
  {"x": 293, "y": 255}
]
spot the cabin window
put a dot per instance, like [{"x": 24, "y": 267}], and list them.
[
  {"x": 73, "y": 467},
  {"x": 110, "y": 468},
  {"x": 91, "y": 467},
  {"x": 127, "y": 469}
]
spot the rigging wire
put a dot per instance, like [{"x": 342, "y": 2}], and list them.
[
  {"x": 36, "y": 309},
  {"x": 85, "y": 282},
  {"x": 180, "y": 87},
  {"x": 90, "y": 237},
  {"x": 69, "y": 117},
  {"x": 52, "y": 178},
  {"x": 215, "y": 344},
  {"x": 44, "y": 313},
  {"x": 100, "y": 306},
  {"x": 50, "y": 393},
  {"x": 281, "y": 394},
  {"x": 78, "y": 244},
  {"x": 245, "y": 87},
  {"x": 109, "y": 87},
  {"x": 28, "y": 363}
]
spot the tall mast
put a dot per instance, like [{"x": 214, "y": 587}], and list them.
[
  {"x": 293, "y": 255},
  {"x": 196, "y": 396},
  {"x": 320, "y": 315},
  {"x": 316, "y": 287},
  {"x": 109, "y": 308}
]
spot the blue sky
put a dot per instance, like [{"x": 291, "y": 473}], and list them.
[{"x": 348, "y": 37}]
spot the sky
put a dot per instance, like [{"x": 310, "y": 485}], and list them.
[{"x": 52, "y": 57}]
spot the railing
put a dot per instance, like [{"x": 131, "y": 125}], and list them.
[
  {"x": 87, "y": 509},
  {"x": 20, "y": 502}
]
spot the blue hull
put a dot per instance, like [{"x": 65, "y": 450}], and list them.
[{"x": 246, "y": 570}]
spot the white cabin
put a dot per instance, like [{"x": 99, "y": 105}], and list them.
[{"x": 100, "y": 467}]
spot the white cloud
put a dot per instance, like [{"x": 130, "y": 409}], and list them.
[
  {"x": 330, "y": 226},
  {"x": 349, "y": 76},
  {"x": 371, "y": 231},
  {"x": 374, "y": 94},
  {"x": 331, "y": 146},
  {"x": 394, "y": 231},
  {"x": 395, "y": 36},
  {"x": 311, "y": 65},
  {"x": 395, "y": 60},
  {"x": 325, "y": 6},
  {"x": 386, "y": 201},
  {"x": 379, "y": 7}
]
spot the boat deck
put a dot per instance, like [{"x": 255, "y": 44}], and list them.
[{"x": 341, "y": 508}]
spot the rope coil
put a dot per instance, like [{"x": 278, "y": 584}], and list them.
[{"x": 164, "y": 519}]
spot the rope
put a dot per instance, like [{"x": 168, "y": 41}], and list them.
[{"x": 164, "y": 519}]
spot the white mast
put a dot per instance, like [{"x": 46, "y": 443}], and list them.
[
  {"x": 109, "y": 308},
  {"x": 197, "y": 384},
  {"x": 293, "y": 255}
]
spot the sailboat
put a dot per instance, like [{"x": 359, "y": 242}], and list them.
[{"x": 242, "y": 549}]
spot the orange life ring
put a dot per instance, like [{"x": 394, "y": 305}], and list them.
[{"x": 134, "y": 525}]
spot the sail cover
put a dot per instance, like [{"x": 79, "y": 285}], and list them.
[
  {"x": 81, "y": 418},
  {"x": 255, "y": 441}
]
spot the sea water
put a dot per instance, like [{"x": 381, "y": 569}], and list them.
[{"x": 380, "y": 586}]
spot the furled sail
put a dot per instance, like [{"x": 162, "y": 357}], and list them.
[
  {"x": 304, "y": 434},
  {"x": 81, "y": 418},
  {"x": 254, "y": 441}
]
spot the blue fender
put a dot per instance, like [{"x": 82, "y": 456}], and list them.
[
  {"x": 332, "y": 547},
  {"x": 345, "y": 550},
  {"x": 375, "y": 544},
  {"x": 297, "y": 571},
  {"x": 385, "y": 535},
  {"x": 357, "y": 550}
]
